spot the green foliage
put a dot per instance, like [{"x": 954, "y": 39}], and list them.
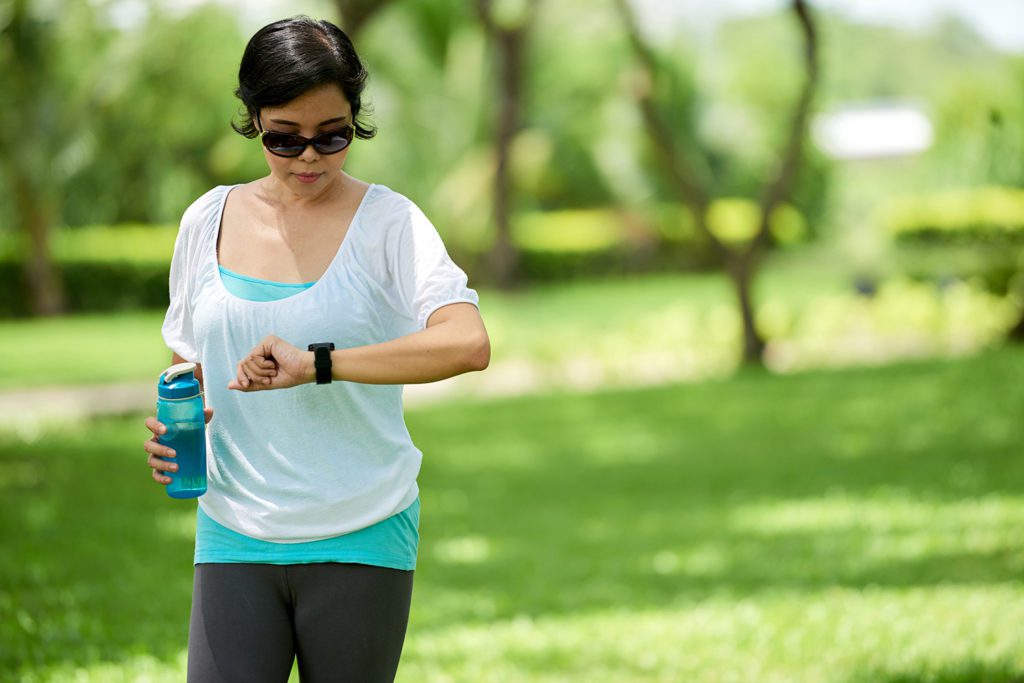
[
  {"x": 729, "y": 121},
  {"x": 664, "y": 534},
  {"x": 134, "y": 243},
  {"x": 568, "y": 230},
  {"x": 736, "y": 221},
  {"x": 161, "y": 149},
  {"x": 131, "y": 126},
  {"x": 970, "y": 91},
  {"x": 135, "y": 123},
  {"x": 574, "y": 94}
]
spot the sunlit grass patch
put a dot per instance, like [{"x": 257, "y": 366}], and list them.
[{"x": 838, "y": 635}]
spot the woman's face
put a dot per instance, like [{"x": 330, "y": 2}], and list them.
[{"x": 316, "y": 111}]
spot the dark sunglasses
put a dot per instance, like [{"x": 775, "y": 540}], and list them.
[{"x": 288, "y": 145}]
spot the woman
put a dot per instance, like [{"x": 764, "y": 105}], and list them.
[{"x": 307, "y": 536}]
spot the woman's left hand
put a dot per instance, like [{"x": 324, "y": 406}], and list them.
[{"x": 273, "y": 364}]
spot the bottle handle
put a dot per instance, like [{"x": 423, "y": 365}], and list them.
[{"x": 175, "y": 371}]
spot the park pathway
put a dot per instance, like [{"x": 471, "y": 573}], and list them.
[{"x": 22, "y": 409}]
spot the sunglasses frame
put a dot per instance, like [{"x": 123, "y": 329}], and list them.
[{"x": 306, "y": 142}]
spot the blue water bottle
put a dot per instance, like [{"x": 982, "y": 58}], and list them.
[{"x": 180, "y": 408}]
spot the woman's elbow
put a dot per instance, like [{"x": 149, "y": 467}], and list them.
[{"x": 480, "y": 355}]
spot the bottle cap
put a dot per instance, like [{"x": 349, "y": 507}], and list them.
[{"x": 178, "y": 382}]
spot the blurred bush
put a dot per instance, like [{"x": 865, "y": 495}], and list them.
[
  {"x": 971, "y": 233},
  {"x": 962, "y": 215},
  {"x": 92, "y": 286},
  {"x": 105, "y": 268}
]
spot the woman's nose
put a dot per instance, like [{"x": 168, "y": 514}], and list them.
[{"x": 309, "y": 154}]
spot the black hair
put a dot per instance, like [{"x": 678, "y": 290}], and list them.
[{"x": 289, "y": 57}]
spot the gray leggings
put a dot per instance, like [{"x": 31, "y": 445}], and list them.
[{"x": 344, "y": 622}]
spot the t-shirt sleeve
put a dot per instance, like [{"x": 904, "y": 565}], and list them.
[
  {"x": 426, "y": 277},
  {"x": 177, "y": 328}
]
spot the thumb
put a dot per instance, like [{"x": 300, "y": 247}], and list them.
[{"x": 208, "y": 414}]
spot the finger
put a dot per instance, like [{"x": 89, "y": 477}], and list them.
[
  {"x": 161, "y": 475},
  {"x": 257, "y": 372},
  {"x": 160, "y": 478},
  {"x": 155, "y": 426},
  {"x": 242, "y": 378},
  {"x": 155, "y": 448},
  {"x": 208, "y": 414},
  {"x": 161, "y": 465}
]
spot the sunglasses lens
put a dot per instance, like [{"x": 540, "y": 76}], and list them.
[
  {"x": 333, "y": 142},
  {"x": 284, "y": 145}
]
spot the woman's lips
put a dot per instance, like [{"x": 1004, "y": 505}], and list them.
[{"x": 307, "y": 177}]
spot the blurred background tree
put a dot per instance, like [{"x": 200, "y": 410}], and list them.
[
  {"x": 130, "y": 124},
  {"x": 738, "y": 233},
  {"x": 35, "y": 125},
  {"x": 508, "y": 25}
]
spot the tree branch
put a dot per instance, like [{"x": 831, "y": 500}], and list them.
[
  {"x": 780, "y": 188},
  {"x": 683, "y": 176},
  {"x": 355, "y": 14}
]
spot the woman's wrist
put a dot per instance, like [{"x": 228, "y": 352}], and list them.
[{"x": 309, "y": 363}]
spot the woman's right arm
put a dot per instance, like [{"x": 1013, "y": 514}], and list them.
[{"x": 155, "y": 448}]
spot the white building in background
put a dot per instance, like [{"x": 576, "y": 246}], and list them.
[{"x": 880, "y": 130}]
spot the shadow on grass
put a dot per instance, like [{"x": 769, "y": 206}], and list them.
[
  {"x": 965, "y": 672},
  {"x": 97, "y": 558}
]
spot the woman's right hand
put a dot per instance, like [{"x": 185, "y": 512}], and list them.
[{"x": 155, "y": 448}]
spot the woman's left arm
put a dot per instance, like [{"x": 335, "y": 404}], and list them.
[{"x": 455, "y": 341}]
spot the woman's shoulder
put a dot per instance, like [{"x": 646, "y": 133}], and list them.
[
  {"x": 383, "y": 200},
  {"x": 204, "y": 208},
  {"x": 393, "y": 212}
]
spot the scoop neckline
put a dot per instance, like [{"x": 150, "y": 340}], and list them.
[
  {"x": 260, "y": 281},
  {"x": 353, "y": 224}
]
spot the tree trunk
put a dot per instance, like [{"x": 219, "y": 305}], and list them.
[
  {"x": 509, "y": 35},
  {"x": 742, "y": 267},
  {"x": 504, "y": 258},
  {"x": 34, "y": 214},
  {"x": 1016, "y": 334},
  {"x": 28, "y": 81}
]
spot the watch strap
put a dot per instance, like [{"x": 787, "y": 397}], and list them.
[{"x": 322, "y": 361}]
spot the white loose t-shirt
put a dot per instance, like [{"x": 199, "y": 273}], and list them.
[{"x": 313, "y": 461}]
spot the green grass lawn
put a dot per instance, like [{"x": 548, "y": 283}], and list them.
[{"x": 851, "y": 526}]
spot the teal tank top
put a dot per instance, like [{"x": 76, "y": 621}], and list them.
[{"x": 392, "y": 542}]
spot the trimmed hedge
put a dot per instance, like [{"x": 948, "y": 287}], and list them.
[
  {"x": 962, "y": 216},
  {"x": 973, "y": 233},
  {"x": 91, "y": 286}
]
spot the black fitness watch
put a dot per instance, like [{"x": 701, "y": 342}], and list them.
[{"x": 322, "y": 361}]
